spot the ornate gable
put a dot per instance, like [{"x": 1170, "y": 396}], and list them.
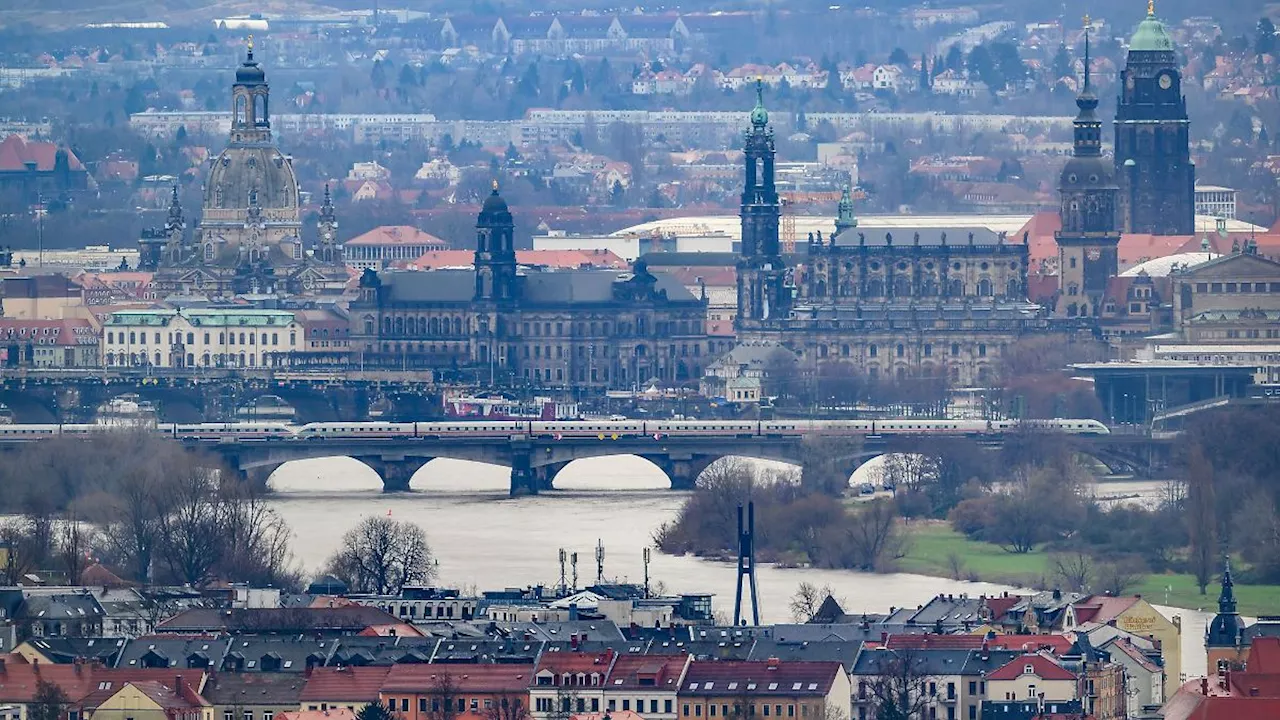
[{"x": 1238, "y": 266}]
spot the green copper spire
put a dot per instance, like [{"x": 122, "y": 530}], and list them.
[
  {"x": 1151, "y": 35},
  {"x": 845, "y": 218},
  {"x": 759, "y": 116}
]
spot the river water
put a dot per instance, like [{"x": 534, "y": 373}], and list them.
[{"x": 486, "y": 540}]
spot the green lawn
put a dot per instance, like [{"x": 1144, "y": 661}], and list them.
[{"x": 932, "y": 542}]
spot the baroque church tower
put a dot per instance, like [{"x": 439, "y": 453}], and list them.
[
  {"x": 495, "y": 254},
  {"x": 1088, "y": 241},
  {"x": 764, "y": 292},
  {"x": 1152, "y": 137}
]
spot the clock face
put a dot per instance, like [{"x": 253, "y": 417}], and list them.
[
  {"x": 1166, "y": 81},
  {"x": 1093, "y": 255}
]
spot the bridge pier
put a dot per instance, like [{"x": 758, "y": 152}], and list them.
[
  {"x": 524, "y": 479},
  {"x": 396, "y": 472},
  {"x": 682, "y": 469}
]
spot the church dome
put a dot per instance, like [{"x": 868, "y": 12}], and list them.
[
  {"x": 494, "y": 206},
  {"x": 251, "y": 174},
  {"x": 250, "y": 72},
  {"x": 1151, "y": 35}
]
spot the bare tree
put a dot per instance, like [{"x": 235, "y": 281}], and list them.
[
  {"x": 873, "y": 535},
  {"x": 1074, "y": 570},
  {"x": 443, "y": 693},
  {"x": 192, "y": 532},
  {"x": 381, "y": 556},
  {"x": 897, "y": 688},
  {"x": 508, "y": 706},
  {"x": 73, "y": 548},
  {"x": 807, "y": 600},
  {"x": 1118, "y": 577}
]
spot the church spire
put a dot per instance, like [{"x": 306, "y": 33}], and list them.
[
  {"x": 1087, "y": 127},
  {"x": 845, "y": 219},
  {"x": 1227, "y": 598},
  {"x": 759, "y": 116}
]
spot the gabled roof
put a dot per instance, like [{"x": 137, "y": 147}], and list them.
[
  {"x": 767, "y": 678},
  {"x": 395, "y": 235},
  {"x": 232, "y": 688},
  {"x": 177, "y": 651},
  {"x": 1041, "y": 666},
  {"x": 70, "y": 649},
  {"x": 16, "y": 152},
  {"x": 165, "y": 695},
  {"x": 490, "y": 679},
  {"x": 344, "y": 684},
  {"x": 20, "y": 679},
  {"x": 646, "y": 672},
  {"x": 351, "y": 619},
  {"x": 560, "y": 663}
]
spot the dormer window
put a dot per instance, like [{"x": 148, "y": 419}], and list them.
[{"x": 1029, "y": 669}]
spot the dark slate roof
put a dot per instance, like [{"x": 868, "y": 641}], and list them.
[
  {"x": 830, "y": 632},
  {"x": 249, "y": 653},
  {"x": 177, "y": 651},
  {"x": 557, "y": 287},
  {"x": 949, "y": 611},
  {"x": 704, "y": 649},
  {"x": 367, "y": 650},
  {"x": 875, "y": 661},
  {"x": 845, "y": 653},
  {"x": 986, "y": 662},
  {"x": 586, "y": 630},
  {"x": 516, "y": 651},
  {"x": 62, "y": 607},
  {"x": 429, "y": 286},
  {"x": 350, "y": 619},
  {"x": 232, "y": 689},
  {"x": 64, "y": 650}
]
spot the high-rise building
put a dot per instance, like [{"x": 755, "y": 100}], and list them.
[
  {"x": 1088, "y": 241},
  {"x": 1152, "y": 137}
]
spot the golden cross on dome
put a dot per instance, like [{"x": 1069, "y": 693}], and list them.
[
  {"x": 250, "y": 43},
  {"x": 1151, "y": 8},
  {"x": 1087, "y": 21},
  {"x": 495, "y": 185}
]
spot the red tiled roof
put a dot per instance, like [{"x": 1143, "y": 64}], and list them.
[
  {"x": 19, "y": 679},
  {"x": 1108, "y": 608},
  {"x": 1043, "y": 668},
  {"x": 396, "y": 235},
  {"x": 1264, "y": 655},
  {"x": 162, "y": 694},
  {"x": 1057, "y": 644},
  {"x": 16, "y": 152},
  {"x": 346, "y": 684},
  {"x": 335, "y": 713},
  {"x": 577, "y": 662},
  {"x": 768, "y": 677},
  {"x": 1040, "y": 289},
  {"x": 659, "y": 672},
  {"x": 492, "y": 679},
  {"x": 1191, "y": 703},
  {"x": 62, "y": 333},
  {"x": 1001, "y": 605}
]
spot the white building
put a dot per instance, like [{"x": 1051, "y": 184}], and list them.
[
  {"x": 168, "y": 338},
  {"x": 1216, "y": 201}
]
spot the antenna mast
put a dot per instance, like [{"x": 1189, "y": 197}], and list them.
[
  {"x": 573, "y": 561},
  {"x": 564, "y": 584},
  {"x": 599, "y": 561},
  {"x": 646, "y": 573}
]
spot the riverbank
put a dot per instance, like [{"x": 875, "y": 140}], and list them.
[{"x": 933, "y": 545}]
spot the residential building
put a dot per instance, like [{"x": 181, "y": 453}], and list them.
[
  {"x": 645, "y": 684},
  {"x": 69, "y": 343},
  {"x": 770, "y": 688},
  {"x": 39, "y": 171},
  {"x": 345, "y": 686},
  {"x": 40, "y": 297},
  {"x": 1135, "y": 615},
  {"x": 569, "y": 682},
  {"x": 146, "y": 700},
  {"x": 20, "y": 681},
  {"x": 953, "y": 679},
  {"x": 1032, "y": 677},
  {"x": 463, "y": 692}
]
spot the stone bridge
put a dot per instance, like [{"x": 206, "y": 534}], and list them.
[{"x": 535, "y": 463}]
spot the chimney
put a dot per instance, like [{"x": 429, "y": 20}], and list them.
[
  {"x": 177, "y": 685},
  {"x": 1204, "y": 686},
  {"x": 774, "y": 663},
  {"x": 573, "y": 641},
  {"x": 2, "y": 667}
]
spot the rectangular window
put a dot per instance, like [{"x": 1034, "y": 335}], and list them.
[
  {"x": 697, "y": 711},
  {"x": 686, "y": 710},
  {"x": 422, "y": 705},
  {"x": 626, "y": 704},
  {"x": 667, "y": 706},
  {"x": 711, "y": 710}
]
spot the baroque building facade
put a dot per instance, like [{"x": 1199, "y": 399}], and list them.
[
  {"x": 249, "y": 238},
  {"x": 924, "y": 302},
  {"x": 579, "y": 329},
  {"x": 1152, "y": 137}
]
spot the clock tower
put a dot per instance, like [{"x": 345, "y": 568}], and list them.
[
  {"x": 1088, "y": 241},
  {"x": 1152, "y": 137}
]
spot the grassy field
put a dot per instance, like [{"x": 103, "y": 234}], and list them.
[{"x": 932, "y": 543}]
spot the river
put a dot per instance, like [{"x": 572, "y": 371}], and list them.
[{"x": 486, "y": 540}]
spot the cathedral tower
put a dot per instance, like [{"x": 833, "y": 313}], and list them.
[
  {"x": 764, "y": 296},
  {"x": 1088, "y": 241},
  {"x": 1223, "y": 638},
  {"x": 1152, "y": 137},
  {"x": 250, "y": 102}
]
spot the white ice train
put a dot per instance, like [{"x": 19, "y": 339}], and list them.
[{"x": 539, "y": 430}]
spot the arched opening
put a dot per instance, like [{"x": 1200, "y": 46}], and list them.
[
  {"x": 447, "y": 475},
  {"x": 614, "y": 472},
  {"x": 327, "y": 474}
]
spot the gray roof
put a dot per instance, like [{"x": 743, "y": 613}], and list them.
[
  {"x": 550, "y": 287},
  {"x": 489, "y": 651},
  {"x": 845, "y": 653},
  {"x": 175, "y": 652},
  {"x": 366, "y": 650},
  {"x": 241, "y": 689},
  {"x": 65, "y": 650},
  {"x": 586, "y": 630},
  {"x": 949, "y": 612},
  {"x": 266, "y": 653},
  {"x": 829, "y": 632},
  {"x": 63, "y": 607}
]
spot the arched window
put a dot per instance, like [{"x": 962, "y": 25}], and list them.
[
  {"x": 955, "y": 288},
  {"x": 984, "y": 287},
  {"x": 260, "y": 109},
  {"x": 242, "y": 109},
  {"x": 386, "y": 326},
  {"x": 435, "y": 326},
  {"x": 457, "y": 326},
  {"x": 900, "y": 350},
  {"x": 901, "y": 286},
  {"x": 875, "y": 288},
  {"x": 399, "y": 326},
  {"x": 208, "y": 251}
]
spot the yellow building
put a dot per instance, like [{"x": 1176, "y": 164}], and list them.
[
  {"x": 147, "y": 700},
  {"x": 1135, "y": 615}
]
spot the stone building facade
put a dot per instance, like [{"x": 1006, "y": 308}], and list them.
[
  {"x": 555, "y": 329},
  {"x": 249, "y": 239},
  {"x": 1152, "y": 137},
  {"x": 910, "y": 303}
]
